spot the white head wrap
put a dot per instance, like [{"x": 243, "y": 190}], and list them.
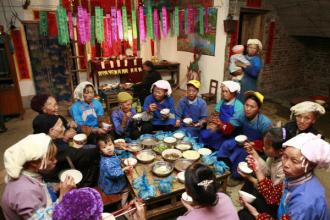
[
  {"x": 79, "y": 90},
  {"x": 256, "y": 42},
  {"x": 32, "y": 147},
  {"x": 305, "y": 107},
  {"x": 312, "y": 147},
  {"x": 163, "y": 84},
  {"x": 232, "y": 86}
]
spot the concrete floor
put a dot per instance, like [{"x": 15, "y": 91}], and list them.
[{"x": 275, "y": 109}]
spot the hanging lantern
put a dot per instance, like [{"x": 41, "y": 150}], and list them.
[{"x": 230, "y": 24}]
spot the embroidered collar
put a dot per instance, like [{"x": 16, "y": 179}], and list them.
[
  {"x": 292, "y": 183},
  {"x": 231, "y": 102}
]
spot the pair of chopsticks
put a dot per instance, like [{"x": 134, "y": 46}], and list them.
[{"x": 126, "y": 209}]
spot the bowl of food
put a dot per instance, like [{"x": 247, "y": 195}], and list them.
[
  {"x": 75, "y": 174},
  {"x": 107, "y": 216},
  {"x": 191, "y": 155},
  {"x": 179, "y": 135},
  {"x": 148, "y": 142},
  {"x": 134, "y": 147},
  {"x": 240, "y": 139},
  {"x": 246, "y": 196},
  {"x": 146, "y": 156},
  {"x": 171, "y": 154},
  {"x": 204, "y": 151},
  {"x": 182, "y": 164},
  {"x": 137, "y": 117},
  {"x": 180, "y": 176},
  {"x": 162, "y": 168},
  {"x": 165, "y": 111},
  {"x": 79, "y": 140},
  {"x": 187, "y": 121},
  {"x": 243, "y": 167},
  {"x": 188, "y": 199},
  {"x": 183, "y": 146},
  {"x": 160, "y": 147},
  {"x": 106, "y": 125},
  {"x": 170, "y": 140},
  {"x": 130, "y": 161}
]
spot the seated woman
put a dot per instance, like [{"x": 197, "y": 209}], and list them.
[
  {"x": 251, "y": 123},
  {"x": 26, "y": 192},
  {"x": 227, "y": 108},
  {"x": 208, "y": 203},
  {"x": 305, "y": 115},
  {"x": 303, "y": 196},
  {"x": 192, "y": 106},
  {"x": 272, "y": 168},
  {"x": 84, "y": 160},
  {"x": 87, "y": 112},
  {"x": 122, "y": 121},
  {"x": 159, "y": 100},
  {"x": 46, "y": 104}
]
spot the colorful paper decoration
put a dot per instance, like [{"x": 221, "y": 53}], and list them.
[
  {"x": 43, "y": 23},
  {"x": 134, "y": 27},
  {"x": 120, "y": 25},
  {"x": 114, "y": 24},
  {"x": 107, "y": 30},
  {"x": 201, "y": 20},
  {"x": 141, "y": 25},
  {"x": 99, "y": 32},
  {"x": 164, "y": 19},
  {"x": 125, "y": 23},
  {"x": 92, "y": 31},
  {"x": 156, "y": 24},
  {"x": 186, "y": 21},
  {"x": 181, "y": 22},
  {"x": 71, "y": 34},
  {"x": 52, "y": 27},
  {"x": 88, "y": 26},
  {"x": 21, "y": 57},
  {"x": 81, "y": 25},
  {"x": 176, "y": 22},
  {"x": 150, "y": 25},
  {"x": 62, "y": 25},
  {"x": 206, "y": 21}
]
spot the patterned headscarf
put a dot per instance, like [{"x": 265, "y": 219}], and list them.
[
  {"x": 79, "y": 90},
  {"x": 305, "y": 107}
]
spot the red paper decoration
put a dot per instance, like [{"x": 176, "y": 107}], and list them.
[
  {"x": 52, "y": 26},
  {"x": 20, "y": 55}
]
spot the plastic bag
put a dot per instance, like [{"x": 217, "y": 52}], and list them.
[
  {"x": 123, "y": 154},
  {"x": 160, "y": 135},
  {"x": 220, "y": 167},
  {"x": 146, "y": 190},
  {"x": 165, "y": 185},
  {"x": 209, "y": 159}
]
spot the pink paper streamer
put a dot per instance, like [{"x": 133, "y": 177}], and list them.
[
  {"x": 88, "y": 26},
  {"x": 141, "y": 25},
  {"x": 70, "y": 25},
  {"x": 107, "y": 30},
  {"x": 81, "y": 26},
  {"x": 156, "y": 24},
  {"x": 165, "y": 23},
  {"x": 114, "y": 24},
  {"x": 120, "y": 25},
  {"x": 206, "y": 20}
]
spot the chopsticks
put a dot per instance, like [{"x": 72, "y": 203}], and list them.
[{"x": 124, "y": 210}]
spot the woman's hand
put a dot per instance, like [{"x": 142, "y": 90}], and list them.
[
  {"x": 255, "y": 166},
  {"x": 68, "y": 135},
  {"x": 66, "y": 186},
  {"x": 177, "y": 123},
  {"x": 213, "y": 127},
  {"x": 128, "y": 114},
  {"x": 152, "y": 107},
  {"x": 101, "y": 131},
  {"x": 127, "y": 168},
  {"x": 249, "y": 147},
  {"x": 187, "y": 205},
  {"x": 249, "y": 207},
  {"x": 240, "y": 64},
  {"x": 73, "y": 124},
  {"x": 140, "y": 213}
]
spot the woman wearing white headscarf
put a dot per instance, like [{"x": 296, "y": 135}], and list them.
[
  {"x": 26, "y": 192},
  {"x": 303, "y": 196},
  {"x": 304, "y": 116},
  {"x": 251, "y": 72}
]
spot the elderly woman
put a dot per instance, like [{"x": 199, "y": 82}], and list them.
[
  {"x": 303, "y": 196},
  {"x": 305, "y": 115},
  {"x": 251, "y": 72},
  {"x": 26, "y": 192},
  {"x": 159, "y": 100},
  {"x": 228, "y": 107},
  {"x": 251, "y": 123},
  {"x": 122, "y": 118},
  {"x": 194, "y": 107},
  {"x": 87, "y": 112}
]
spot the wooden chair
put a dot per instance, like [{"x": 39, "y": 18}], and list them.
[
  {"x": 211, "y": 96},
  {"x": 109, "y": 199}
]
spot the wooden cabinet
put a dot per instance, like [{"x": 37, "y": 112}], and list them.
[
  {"x": 10, "y": 96},
  {"x": 169, "y": 69}
]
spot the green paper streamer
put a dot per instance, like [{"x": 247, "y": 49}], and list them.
[
  {"x": 150, "y": 23},
  {"x": 93, "y": 30},
  {"x": 160, "y": 22},
  {"x": 186, "y": 20},
  {"x": 171, "y": 24},
  {"x": 134, "y": 24},
  {"x": 176, "y": 17},
  {"x": 201, "y": 21},
  {"x": 125, "y": 24},
  {"x": 99, "y": 29},
  {"x": 62, "y": 26},
  {"x": 43, "y": 23}
]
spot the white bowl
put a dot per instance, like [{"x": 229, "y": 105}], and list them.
[
  {"x": 243, "y": 166},
  {"x": 171, "y": 151},
  {"x": 191, "y": 155},
  {"x": 186, "y": 197},
  {"x": 204, "y": 151},
  {"x": 240, "y": 139},
  {"x": 246, "y": 196},
  {"x": 137, "y": 116},
  {"x": 183, "y": 146},
  {"x": 169, "y": 140},
  {"x": 187, "y": 121},
  {"x": 178, "y": 135},
  {"x": 80, "y": 138},
  {"x": 106, "y": 125},
  {"x": 130, "y": 161},
  {"x": 180, "y": 176},
  {"x": 117, "y": 141},
  {"x": 107, "y": 216},
  {"x": 165, "y": 111},
  {"x": 75, "y": 174}
]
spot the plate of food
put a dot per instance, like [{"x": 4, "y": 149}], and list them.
[
  {"x": 170, "y": 140},
  {"x": 162, "y": 168},
  {"x": 179, "y": 135},
  {"x": 160, "y": 148},
  {"x": 146, "y": 156},
  {"x": 191, "y": 155},
  {"x": 183, "y": 146},
  {"x": 204, "y": 151},
  {"x": 134, "y": 147},
  {"x": 171, "y": 154}
]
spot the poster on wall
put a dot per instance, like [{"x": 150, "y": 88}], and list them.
[{"x": 194, "y": 41}]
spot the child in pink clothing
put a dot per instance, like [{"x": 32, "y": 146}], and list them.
[{"x": 235, "y": 70}]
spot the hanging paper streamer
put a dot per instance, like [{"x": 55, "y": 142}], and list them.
[
  {"x": 92, "y": 31},
  {"x": 114, "y": 24},
  {"x": 120, "y": 25},
  {"x": 43, "y": 23},
  {"x": 62, "y": 26},
  {"x": 186, "y": 23},
  {"x": 107, "y": 30},
  {"x": 81, "y": 25},
  {"x": 134, "y": 27},
  {"x": 52, "y": 26},
  {"x": 150, "y": 23},
  {"x": 99, "y": 32},
  {"x": 125, "y": 24},
  {"x": 164, "y": 19},
  {"x": 141, "y": 25},
  {"x": 70, "y": 25},
  {"x": 156, "y": 24},
  {"x": 190, "y": 20},
  {"x": 181, "y": 22},
  {"x": 206, "y": 20},
  {"x": 88, "y": 26},
  {"x": 172, "y": 27},
  {"x": 176, "y": 22},
  {"x": 201, "y": 20}
]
